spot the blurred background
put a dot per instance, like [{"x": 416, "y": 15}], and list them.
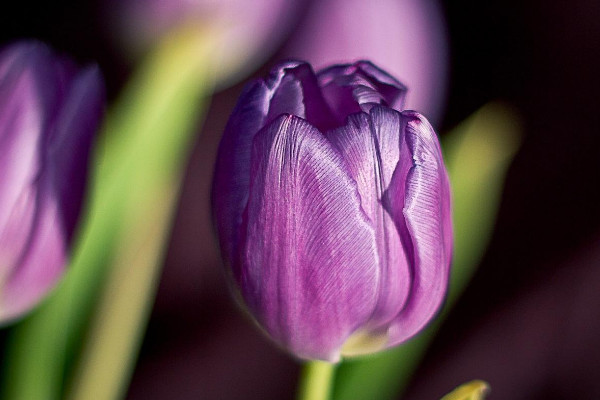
[{"x": 529, "y": 321}]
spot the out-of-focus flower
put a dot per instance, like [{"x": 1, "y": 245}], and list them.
[
  {"x": 405, "y": 37},
  {"x": 245, "y": 32},
  {"x": 333, "y": 210},
  {"x": 49, "y": 112}
]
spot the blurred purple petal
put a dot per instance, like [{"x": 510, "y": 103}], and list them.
[
  {"x": 419, "y": 201},
  {"x": 405, "y": 37},
  {"x": 245, "y": 33},
  {"x": 67, "y": 152},
  {"x": 41, "y": 265},
  {"x": 309, "y": 270},
  {"x": 21, "y": 122},
  {"x": 48, "y": 115}
]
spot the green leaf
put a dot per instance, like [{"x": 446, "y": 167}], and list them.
[
  {"x": 139, "y": 164},
  {"x": 477, "y": 153}
]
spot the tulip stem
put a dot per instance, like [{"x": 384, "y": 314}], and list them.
[
  {"x": 146, "y": 143},
  {"x": 316, "y": 381}
]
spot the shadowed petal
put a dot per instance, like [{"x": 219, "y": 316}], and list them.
[
  {"x": 309, "y": 260},
  {"x": 71, "y": 142},
  {"x": 424, "y": 222},
  {"x": 232, "y": 172},
  {"x": 354, "y": 87},
  {"x": 370, "y": 146},
  {"x": 298, "y": 94},
  {"x": 391, "y": 89}
]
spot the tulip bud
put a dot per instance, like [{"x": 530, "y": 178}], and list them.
[
  {"x": 49, "y": 113},
  {"x": 332, "y": 208}
]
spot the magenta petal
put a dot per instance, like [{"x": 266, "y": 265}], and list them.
[
  {"x": 21, "y": 128},
  {"x": 419, "y": 201},
  {"x": 309, "y": 261},
  {"x": 22, "y": 123},
  {"x": 40, "y": 267},
  {"x": 370, "y": 146},
  {"x": 48, "y": 115}
]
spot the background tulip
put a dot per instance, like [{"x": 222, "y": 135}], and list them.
[
  {"x": 333, "y": 210},
  {"x": 49, "y": 112},
  {"x": 407, "y": 38},
  {"x": 245, "y": 32}
]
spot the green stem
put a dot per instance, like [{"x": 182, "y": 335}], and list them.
[
  {"x": 316, "y": 381},
  {"x": 149, "y": 137}
]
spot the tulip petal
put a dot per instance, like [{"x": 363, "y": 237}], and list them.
[
  {"x": 232, "y": 175},
  {"x": 33, "y": 86},
  {"x": 261, "y": 102},
  {"x": 419, "y": 201},
  {"x": 298, "y": 93},
  {"x": 370, "y": 146},
  {"x": 46, "y": 124},
  {"x": 21, "y": 127},
  {"x": 41, "y": 266},
  {"x": 393, "y": 90},
  {"x": 69, "y": 147},
  {"x": 354, "y": 87},
  {"x": 309, "y": 261}
]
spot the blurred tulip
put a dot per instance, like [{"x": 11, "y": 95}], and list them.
[
  {"x": 405, "y": 37},
  {"x": 49, "y": 113},
  {"x": 245, "y": 32},
  {"x": 333, "y": 210}
]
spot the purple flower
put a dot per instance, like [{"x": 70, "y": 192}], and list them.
[
  {"x": 49, "y": 112},
  {"x": 333, "y": 210}
]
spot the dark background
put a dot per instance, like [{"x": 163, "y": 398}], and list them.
[{"x": 529, "y": 322}]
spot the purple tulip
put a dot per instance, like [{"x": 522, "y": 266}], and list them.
[
  {"x": 332, "y": 208},
  {"x": 49, "y": 113}
]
